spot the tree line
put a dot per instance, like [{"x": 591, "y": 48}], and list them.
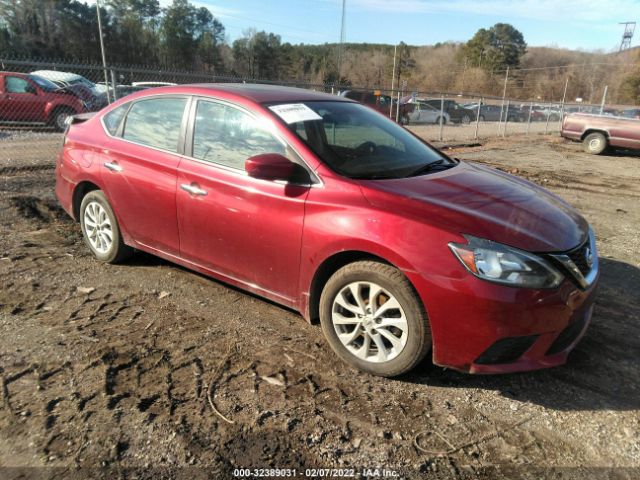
[{"x": 184, "y": 36}]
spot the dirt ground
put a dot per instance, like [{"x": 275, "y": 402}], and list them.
[{"x": 112, "y": 371}]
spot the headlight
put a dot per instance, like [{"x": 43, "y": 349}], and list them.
[{"x": 505, "y": 265}]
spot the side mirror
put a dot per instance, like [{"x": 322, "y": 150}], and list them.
[{"x": 270, "y": 166}]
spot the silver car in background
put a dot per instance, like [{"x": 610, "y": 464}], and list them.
[{"x": 425, "y": 113}]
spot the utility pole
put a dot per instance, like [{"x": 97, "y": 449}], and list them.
[
  {"x": 393, "y": 79},
  {"x": 342, "y": 39},
  {"x": 104, "y": 58},
  {"x": 604, "y": 99}
]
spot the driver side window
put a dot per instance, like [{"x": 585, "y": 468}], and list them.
[{"x": 17, "y": 85}]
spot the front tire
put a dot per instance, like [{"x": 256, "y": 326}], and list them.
[
  {"x": 466, "y": 120},
  {"x": 100, "y": 229},
  {"x": 374, "y": 320},
  {"x": 595, "y": 143},
  {"x": 59, "y": 117}
]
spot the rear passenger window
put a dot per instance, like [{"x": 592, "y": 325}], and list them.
[
  {"x": 155, "y": 122},
  {"x": 228, "y": 136},
  {"x": 114, "y": 117}
]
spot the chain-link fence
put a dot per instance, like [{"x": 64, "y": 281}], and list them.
[{"x": 37, "y": 96}]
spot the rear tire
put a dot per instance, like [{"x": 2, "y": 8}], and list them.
[
  {"x": 595, "y": 143},
  {"x": 482, "y": 118},
  {"x": 385, "y": 341},
  {"x": 100, "y": 229},
  {"x": 466, "y": 120},
  {"x": 444, "y": 121}
]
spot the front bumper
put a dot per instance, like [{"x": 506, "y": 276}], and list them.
[{"x": 482, "y": 327}]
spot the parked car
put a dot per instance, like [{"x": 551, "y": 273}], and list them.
[
  {"x": 29, "y": 99},
  {"x": 631, "y": 113},
  {"x": 425, "y": 113},
  {"x": 539, "y": 113},
  {"x": 382, "y": 103},
  {"x": 153, "y": 84},
  {"x": 495, "y": 113},
  {"x": 597, "y": 132},
  {"x": 318, "y": 203},
  {"x": 457, "y": 113},
  {"x": 85, "y": 88}
]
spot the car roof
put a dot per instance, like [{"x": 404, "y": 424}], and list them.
[
  {"x": 258, "y": 93},
  {"x": 57, "y": 75}
]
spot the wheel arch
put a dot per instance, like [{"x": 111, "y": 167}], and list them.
[
  {"x": 79, "y": 193},
  {"x": 589, "y": 131},
  {"x": 328, "y": 267}
]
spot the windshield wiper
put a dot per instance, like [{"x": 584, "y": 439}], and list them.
[{"x": 429, "y": 167}]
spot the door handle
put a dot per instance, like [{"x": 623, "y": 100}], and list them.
[
  {"x": 193, "y": 189},
  {"x": 113, "y": 166}
]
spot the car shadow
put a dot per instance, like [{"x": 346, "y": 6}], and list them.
[
  {"x": 621, "y": 152},
  {"x": 603, "y": 371}
]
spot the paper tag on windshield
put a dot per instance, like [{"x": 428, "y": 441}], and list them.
[{"x": 294, "y": 112}]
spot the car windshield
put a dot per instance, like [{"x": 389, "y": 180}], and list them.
[
  {"x": 357, "y": 142},
  {"x": 44, "y": 84}
]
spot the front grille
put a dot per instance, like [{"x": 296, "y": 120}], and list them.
[
  {"x": 506, "y": 350},
  {"x": 567, "y": 336}
]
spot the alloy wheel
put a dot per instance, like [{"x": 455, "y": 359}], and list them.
[
  {"x": 369, "y": 321},
  {"x": 98, "y": 229}
]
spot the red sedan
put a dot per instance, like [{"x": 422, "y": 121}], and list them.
[{"x": 326, "y": 206}]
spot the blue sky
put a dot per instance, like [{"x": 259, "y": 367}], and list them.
[{"x": 576, "y": 24}]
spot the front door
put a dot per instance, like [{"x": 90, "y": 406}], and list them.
[
  {"x": 21, "y": 101},
  {"x": 243, "y": 228}
]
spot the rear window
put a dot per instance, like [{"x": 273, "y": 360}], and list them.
[
  {"x": 113, "y": 119},
  {"x": 155, "y": 122}
]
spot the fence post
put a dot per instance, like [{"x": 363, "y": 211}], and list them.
[
  {"x": 478, "y": 117},
  {"x": 441, "y": 115},
  {"x": 113, "y": 84},
  {"x": 546, "y": 126},
  {"x": 506, "y": 119},
  {"x": 564, "y": 97},
  {"x": 529, "y": 118},
  {"x": 504, "y": 95}
]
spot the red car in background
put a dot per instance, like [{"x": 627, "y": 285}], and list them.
[
  {"x": 382, "y": 103},
  {"x": 29, "y": 99},
  {"x": 328, "y": 207}
]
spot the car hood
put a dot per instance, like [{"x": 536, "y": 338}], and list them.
[{"x": 486, "y": 203}]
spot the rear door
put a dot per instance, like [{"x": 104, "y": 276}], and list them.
[
  {"x": 247, "y": 229},
  {"x": 139, "y": 165}
]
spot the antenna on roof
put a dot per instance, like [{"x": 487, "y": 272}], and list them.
[{"x": 629, "y": 28}]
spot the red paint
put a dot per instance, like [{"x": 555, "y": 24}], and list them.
[
  {"x": 271, "y": 237},
  {"x": 36, "y": 106}
]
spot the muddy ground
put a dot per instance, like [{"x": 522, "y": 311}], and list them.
[{"x": 111, "y": 371}]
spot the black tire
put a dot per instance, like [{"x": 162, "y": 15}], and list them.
[
  {"x": 418, "y": 341},
  {"x": 404, "y": 120},
  {"x": 444, "y": 120},
  {"x": 595, "y": 143},
  {"x": 482, "y": 118},
  {"x": 466, "y": 119},
  {"x": 117, "y": 251},
  {"x": 58, "y": 117}
]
